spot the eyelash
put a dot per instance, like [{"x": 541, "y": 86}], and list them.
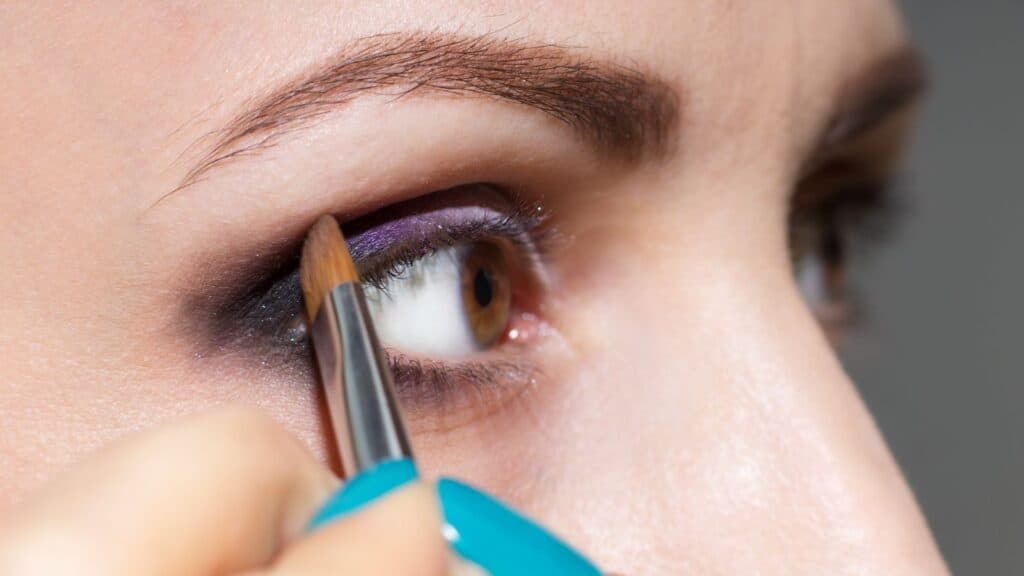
[
  {"x": 834, "y": 227},
  {"x": 454, "y": 392}
]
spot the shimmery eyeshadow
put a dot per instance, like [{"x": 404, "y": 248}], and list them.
[{"x": 416, "y": 228}]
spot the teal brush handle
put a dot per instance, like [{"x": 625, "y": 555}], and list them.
[{"x": 487, "y": 536}]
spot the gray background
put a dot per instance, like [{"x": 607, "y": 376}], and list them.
[{"x": 939, "y": 357}]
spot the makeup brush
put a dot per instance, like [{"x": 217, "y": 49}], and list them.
[
  {"x": 484, "y": 535},
  {"x": 356, "y": 378}
]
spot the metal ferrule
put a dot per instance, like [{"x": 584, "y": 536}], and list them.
[{"x": 357, "y": 383}]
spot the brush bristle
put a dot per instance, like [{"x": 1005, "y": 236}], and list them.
[{"x": 325, "y": 263}]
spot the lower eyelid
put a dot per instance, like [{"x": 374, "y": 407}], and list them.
[
  {"x": 446, "y": 394},
  {"x": 440, "y": 396}
]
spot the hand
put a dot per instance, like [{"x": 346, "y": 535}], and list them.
[{"x": 219, "y": 494}]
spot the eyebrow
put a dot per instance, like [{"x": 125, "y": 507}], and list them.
[
  {"x": 613, "y": 107},
  {"x": 885, "y": 89}
]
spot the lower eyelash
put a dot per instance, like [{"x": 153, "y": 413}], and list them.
[{"x": 448, "y": 394}]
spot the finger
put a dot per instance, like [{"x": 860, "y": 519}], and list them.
[
  {"x": 210, "y": 495},
  {"x": 398, "y": 534}
]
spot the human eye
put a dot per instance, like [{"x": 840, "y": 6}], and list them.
[
  {"x": 850, "y": 195},
  {"x": 835, "y": 220},
  {"x": 454, "y": 281},
  {"x": 452, "y": 276}
]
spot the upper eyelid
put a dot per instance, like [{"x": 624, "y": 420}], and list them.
[
  {"x": 377, "y": 269},
  {"x": 460, "y": 214}
]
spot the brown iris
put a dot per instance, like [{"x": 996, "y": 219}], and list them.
[{"x": 486, "y": 291}]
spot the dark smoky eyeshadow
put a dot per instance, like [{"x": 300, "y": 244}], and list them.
[{"x": 260, "y": 308}]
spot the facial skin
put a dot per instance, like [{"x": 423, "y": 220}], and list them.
[{"x": 688, "y": 416}]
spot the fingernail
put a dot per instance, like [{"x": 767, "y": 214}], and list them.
[
  {"x": 499, "y": 540},
  {"x": 363, "y": 489}
]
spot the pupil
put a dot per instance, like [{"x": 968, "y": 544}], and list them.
[{"x": 482, "y": 288}]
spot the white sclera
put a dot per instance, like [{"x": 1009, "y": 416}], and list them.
[
  {"x": 811, "y": 280},
  {"x": 422, "y": 312}
]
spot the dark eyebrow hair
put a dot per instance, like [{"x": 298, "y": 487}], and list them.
[
  {"x": 615, "y": 107},
  {"x": 884, "y": 89}
]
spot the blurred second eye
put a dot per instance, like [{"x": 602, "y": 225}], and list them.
[{"x": 453, "y": 302}]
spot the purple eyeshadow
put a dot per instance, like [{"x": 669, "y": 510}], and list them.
[{"x": 417, "y": 229}]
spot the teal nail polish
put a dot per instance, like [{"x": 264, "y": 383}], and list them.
[
  {"x": 499, "y": 540},
  {"x": 363, "y": 489}
]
